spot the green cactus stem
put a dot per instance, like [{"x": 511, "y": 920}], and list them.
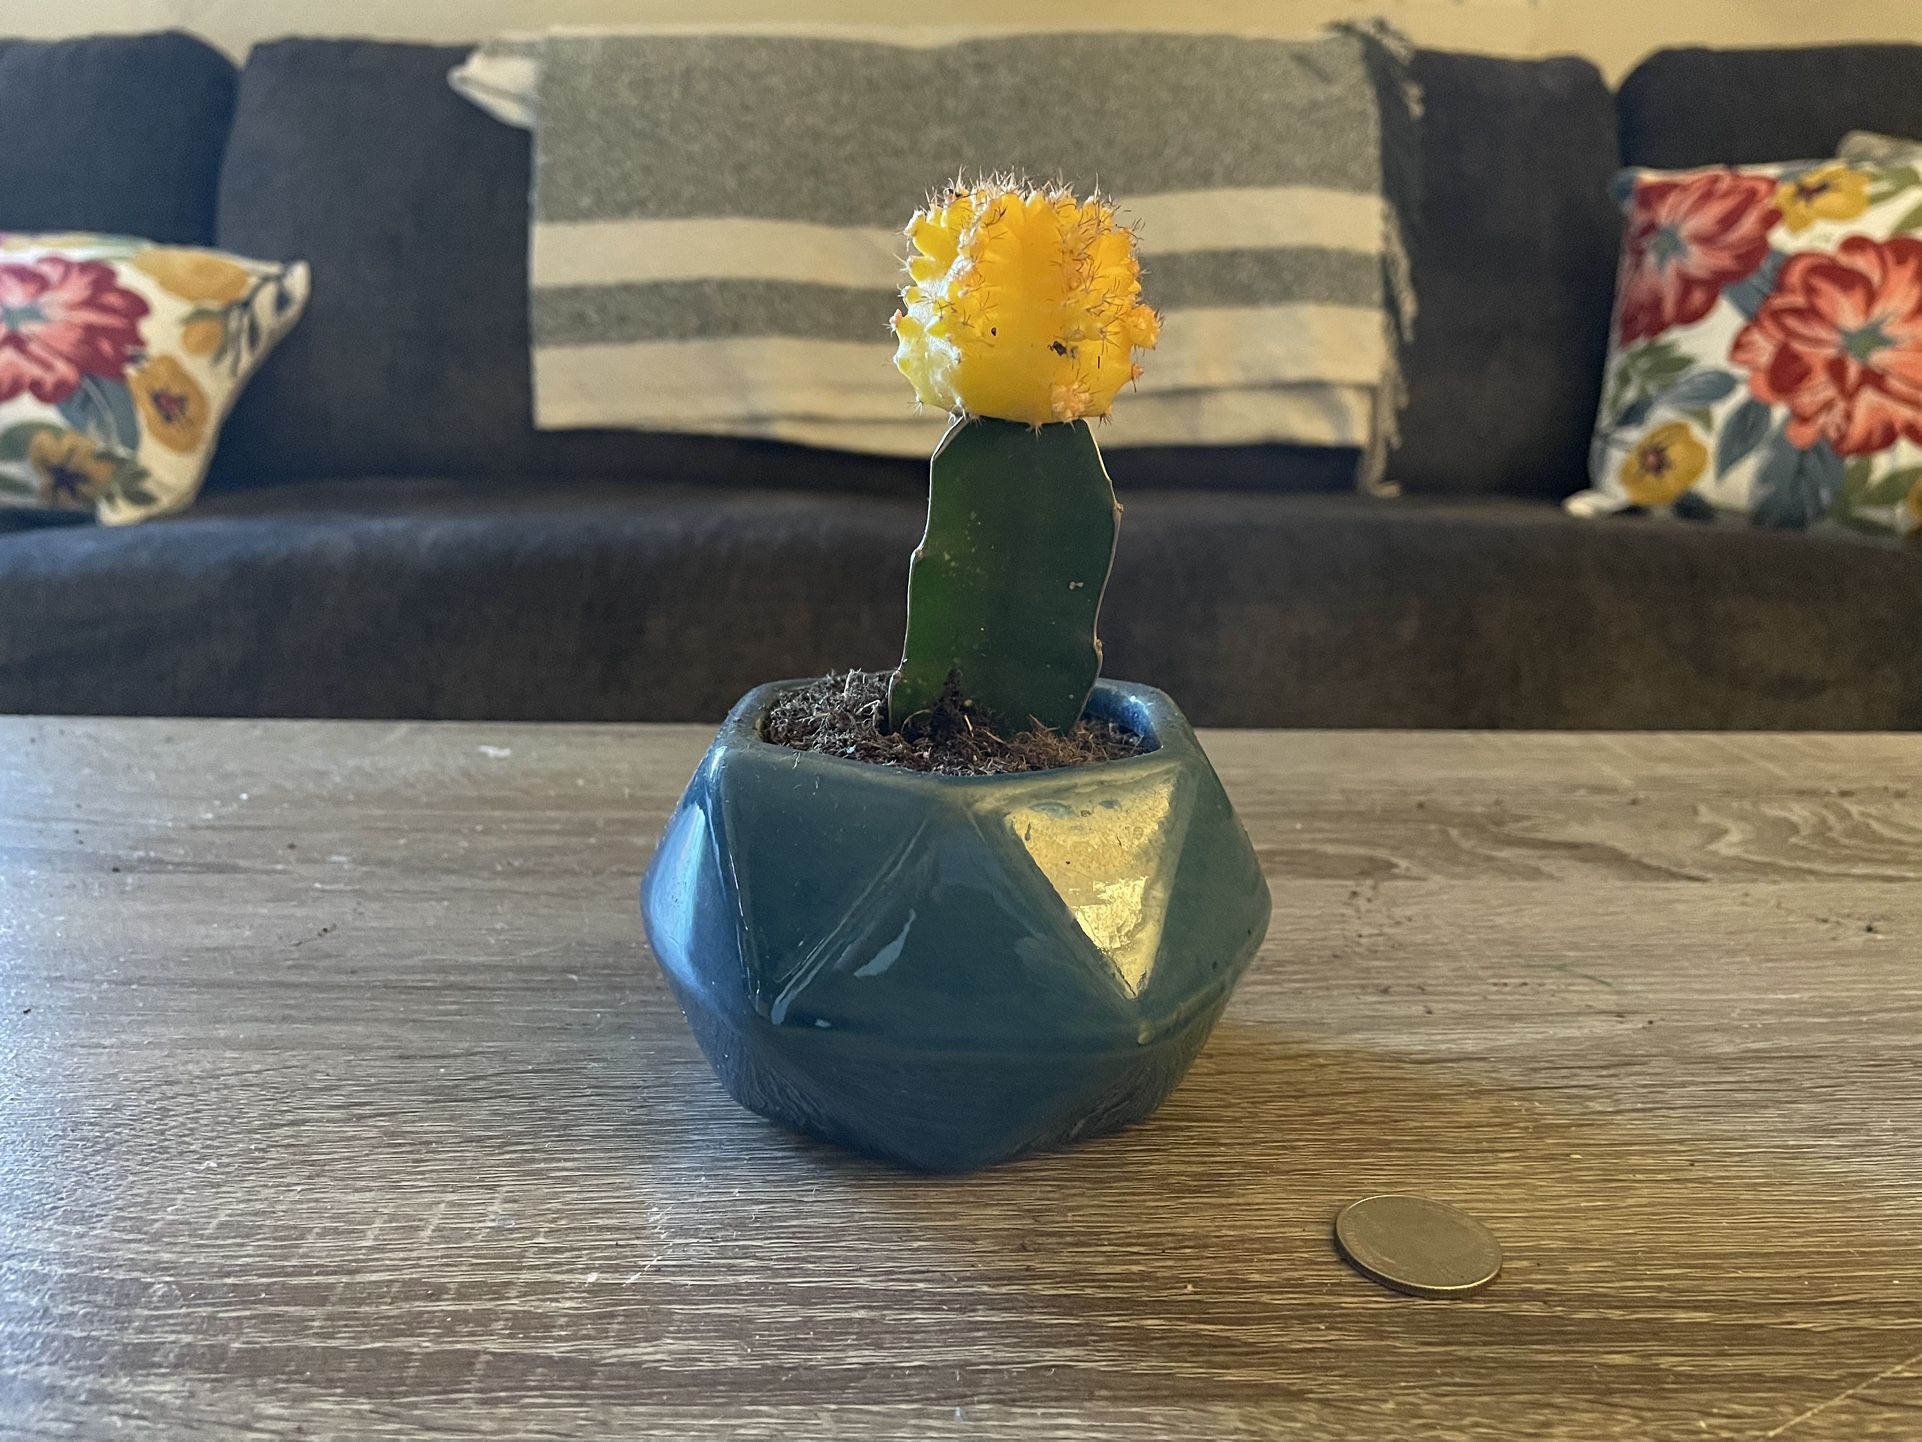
[{"x": 1005, "y": 587}]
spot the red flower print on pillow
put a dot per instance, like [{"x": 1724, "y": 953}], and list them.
[
  {"x": 1686, "y": 239},
  {"x": 61, "y": 320},
  {"x": 1839, "y": 342}
]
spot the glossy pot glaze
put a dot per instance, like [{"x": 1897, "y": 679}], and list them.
[{"x": 951, "y": 971}]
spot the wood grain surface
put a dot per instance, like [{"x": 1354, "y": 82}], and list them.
[{"x": 341, "y": 1098}]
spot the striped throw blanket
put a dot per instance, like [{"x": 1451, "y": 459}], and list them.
[{"x": 716, "y": 219}]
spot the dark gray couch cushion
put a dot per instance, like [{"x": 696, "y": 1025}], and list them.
[
  {"x": 118, "y": 133},
  {"x": 605, "y": 600},
  {"x": 1514, "y": 261},
  {"x": 1691, "y": 107},
  {"x": 411, "y": 206}
]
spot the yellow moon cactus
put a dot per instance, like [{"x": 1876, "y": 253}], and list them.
[
  {"x": 1021, "y": 317},
  {"x": 1023, "y": 304}
]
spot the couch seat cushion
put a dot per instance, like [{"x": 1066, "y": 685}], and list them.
[{"x": 594, "y": 600}]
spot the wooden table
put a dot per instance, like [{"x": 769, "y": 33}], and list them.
[{"x": 341, "y": 1099}]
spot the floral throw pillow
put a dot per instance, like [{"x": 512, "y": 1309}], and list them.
[
  {"x": 1766, "y": 359},
  {"x": 118, "y": 362}
]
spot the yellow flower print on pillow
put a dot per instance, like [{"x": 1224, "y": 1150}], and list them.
[
  {"x": 71, "y": 470},
  {"x": 202, "y": 334},
  {"x": 219, "y": 288},
  {"x": 194, "y": 274},
  {"x": 1829, "y": 192},
  {"x": 171, "y": 403},
  {"x": 1663, "y": 464}
]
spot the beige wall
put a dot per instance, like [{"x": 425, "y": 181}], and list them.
[{"x": 1615, "y": 33}]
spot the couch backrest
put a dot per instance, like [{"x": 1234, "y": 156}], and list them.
[
  {"x": 1514, "y": 263},
  {"x": 115, "y": 133},
  {"x": 412, "y": 357},
  {"x": 1682, "y": 108},
  {"x": 411, "y": 205}
]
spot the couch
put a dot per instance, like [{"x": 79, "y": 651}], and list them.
[{"x": 384, "y": 534}]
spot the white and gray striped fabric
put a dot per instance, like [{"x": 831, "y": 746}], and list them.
[{"x": 716, "y": 239}]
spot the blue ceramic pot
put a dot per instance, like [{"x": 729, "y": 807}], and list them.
[{"x": 951, "y": 971}]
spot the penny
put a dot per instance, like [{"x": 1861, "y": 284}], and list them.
[{"x": 1418, "y": 1246}]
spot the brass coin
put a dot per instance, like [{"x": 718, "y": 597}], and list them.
[{"x": 1424, "y": 1248}]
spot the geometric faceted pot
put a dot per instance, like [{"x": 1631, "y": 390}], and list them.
[{"x": 949, "y": 971}]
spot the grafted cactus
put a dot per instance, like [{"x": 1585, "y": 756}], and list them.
[{"x": 1021, "y": 317}]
